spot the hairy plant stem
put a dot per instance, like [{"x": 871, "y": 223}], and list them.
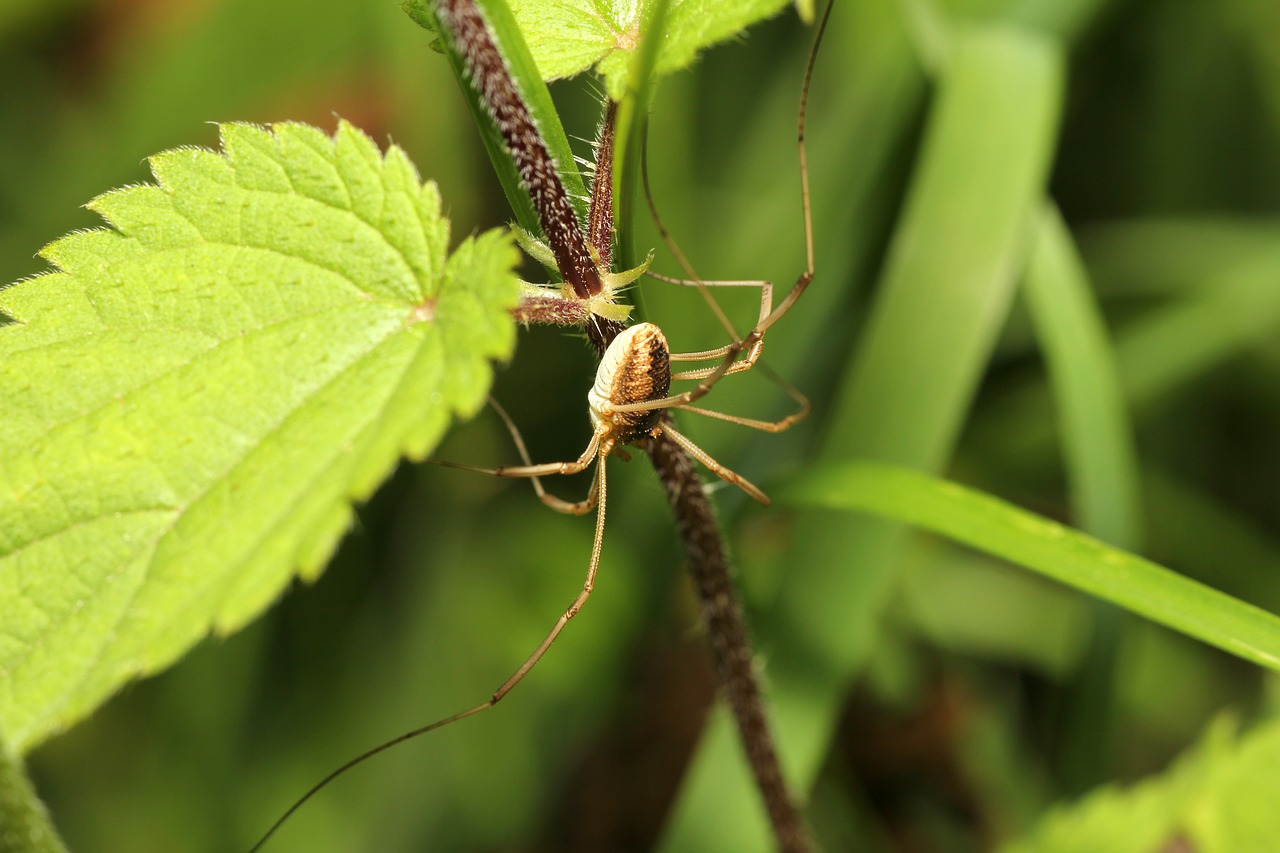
[
  {"x": 537, "y": 169},
  {"x": 704, "y": 551}
]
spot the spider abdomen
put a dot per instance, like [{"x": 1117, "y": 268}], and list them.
[{"x": 636, "y": 368}]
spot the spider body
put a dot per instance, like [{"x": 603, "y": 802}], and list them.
[{"x": 636, "y": 368}]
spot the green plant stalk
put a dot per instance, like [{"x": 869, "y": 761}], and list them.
[{"x": 632, "y": 123}]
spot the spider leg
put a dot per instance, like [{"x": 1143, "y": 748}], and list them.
[
  {"x": 726, "y": 474},
  {"x": 753, "y": 342},
  {"x": 558, "y": 504},
  {"x": 533, "y": 472},
  {"x": 804, "y": 407},
  {"x": 505, "y": 688},
  {"x": 587, "y": 585},
  {"x": 752, "y": 423},
  {"x": 766, "y": 305}
]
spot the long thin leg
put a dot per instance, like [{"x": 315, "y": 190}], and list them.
[
  {"x": 726, "y": 474},
  {"x": 503, "y": 689},
  {"x": 704, "y": 372},
  {"x": 572, "y": 610},
  {"x": 766, "y": 290},
  {"x": 558, "y": 504},
  {"x": 753, "y": 342},
  {"x": 751, "y": 423},
  {"x": 801, "y": 412},
  {"x": 736, "y": 347},
  {"x": 543, "y": 470}
]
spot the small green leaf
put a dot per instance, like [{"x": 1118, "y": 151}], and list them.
[
  {"x": 191, "y": 404},
  {"x": 1218, "y": 798},
  {"x": 570, "y": 36}
]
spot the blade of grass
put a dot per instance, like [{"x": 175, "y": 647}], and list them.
[
  {"x": 1162, "y": 256},
  {"x": 1036, "y": 543},
  {"x": 1238, "y": 308},
  {"x": 1102, "y": 471},
  {"x": 1097, "y": 436},
  {"x": 1233, "y": 310},
  {"x": 1196, "y": 529}
]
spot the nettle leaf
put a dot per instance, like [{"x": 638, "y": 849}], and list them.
[
  {"x": 192, "y": 403},
  {"x": 567, "y": 37}
]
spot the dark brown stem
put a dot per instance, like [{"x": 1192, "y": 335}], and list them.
[
  {"x": 552, "y": 308},
  {"x": 600, "y": 218},
  {"x": 704, "y": 551},
  {"x": 727, "y": 629},
  {"x": 537, "y": 169}
]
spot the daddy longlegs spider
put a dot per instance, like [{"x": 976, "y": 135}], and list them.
[
  {"x": 630, "y": 398},
  {"x": 629, "y": 404}
]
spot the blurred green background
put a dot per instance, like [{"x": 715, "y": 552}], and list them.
[{"x": 988, "y": 694}]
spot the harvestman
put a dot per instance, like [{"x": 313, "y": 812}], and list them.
[
  {"x": 628, "y": 404},
  {"x": 631, "y": 395}
]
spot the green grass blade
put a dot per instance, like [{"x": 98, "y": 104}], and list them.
[
  {"x": 1033, "y": 542},
  {"x": 1196, "y": 528},
  {"x": 1097, "y": 436},
  {"x": 1237, "y": 308},
  {"x": 1233, "y": 310},
  {"x": 1164, "y": 256},
  {"x": 1101, "y": 467}
]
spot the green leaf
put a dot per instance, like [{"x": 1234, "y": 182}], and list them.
[
  {"x": 570, "y": 36},
  {"x": 1065, "y": 555},
  {"x": 1100, "y": 459},
  {"x": 192, "y": 403},
  {"x": 1218, "y": 798}
]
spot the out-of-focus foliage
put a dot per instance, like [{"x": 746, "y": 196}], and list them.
[
  {"x": 1217, "y": 799},
  {"x": 983, "y": 696}
]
